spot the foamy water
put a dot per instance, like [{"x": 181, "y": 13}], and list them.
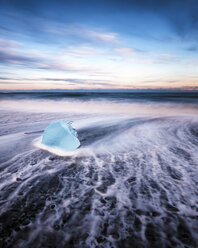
[{"x": 132, "y": 183}]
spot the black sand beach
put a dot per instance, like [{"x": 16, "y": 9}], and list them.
[{"x": 132, "y": 183}]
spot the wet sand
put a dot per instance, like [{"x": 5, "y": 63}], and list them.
[{"x": 132, "y": 183}]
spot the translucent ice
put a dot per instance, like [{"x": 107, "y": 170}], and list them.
[{"x": 60, "y": 135}]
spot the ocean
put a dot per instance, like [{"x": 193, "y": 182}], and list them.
[{"x": 133, "y": 182}]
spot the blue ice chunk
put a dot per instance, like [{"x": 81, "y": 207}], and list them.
[{"x": 60, "y": 135}]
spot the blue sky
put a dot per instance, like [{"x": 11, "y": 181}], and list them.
[{"x": 98, "y": 44}]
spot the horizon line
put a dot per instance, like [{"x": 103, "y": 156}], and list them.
[{"x": 98, "y": 90}]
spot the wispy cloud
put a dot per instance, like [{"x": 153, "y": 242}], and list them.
[
  {"x": 97, "y": 42},
  {"x": 63, "y": 82},
  {"x": 81, "y": 81},
  {"x": 125, "y": 51},
  {"x": 83, "y": 51},
  {"x": 17, "y": 54},
  {"x": 102, "y": 37},
  {"x": 6, "y": 43},
  {"x": 12, "y": 52},
  {"x": 87, "y": 35},
  {"x": 163, "y": 58},
  {"x": 167, "y": 56},
  {"x": 16, "y": 59}
]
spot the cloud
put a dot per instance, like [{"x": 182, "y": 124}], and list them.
[
  {"x": 164, "y": 58},
  {"x": 78, "y": 82},
  {"x": 38, "y": 15},
  {"x": 4, "y": 78},
  {"x": 99, "y": 22},
  {"x": 94, "y": 38},
  {"x": 75, "y": 81},
  {"x": 58, "y": 66},
  {"x": 125, "y": 51},
  {"x": 11, "y": 52},
  {"x": 5, "y": 43},
  {"x": 7, "y": 57},
  {"x": 102, "y": 37},
  {"x": 167, "y": 56},
  {"x": 87, "y": 35},
  {"x": 17, "y": 54},
  {"x": 82, "y": 51},
  {"x": 13, "y": 83}
]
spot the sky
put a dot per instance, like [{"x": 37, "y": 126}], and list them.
[{"x": 98, "y": 44}]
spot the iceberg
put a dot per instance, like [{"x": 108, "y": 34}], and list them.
[{"x": 60, "y": 135}]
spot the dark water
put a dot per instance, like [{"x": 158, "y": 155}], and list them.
[
  {"x": 111, "y": 95},
  {"x": 132, "y": 183}
]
